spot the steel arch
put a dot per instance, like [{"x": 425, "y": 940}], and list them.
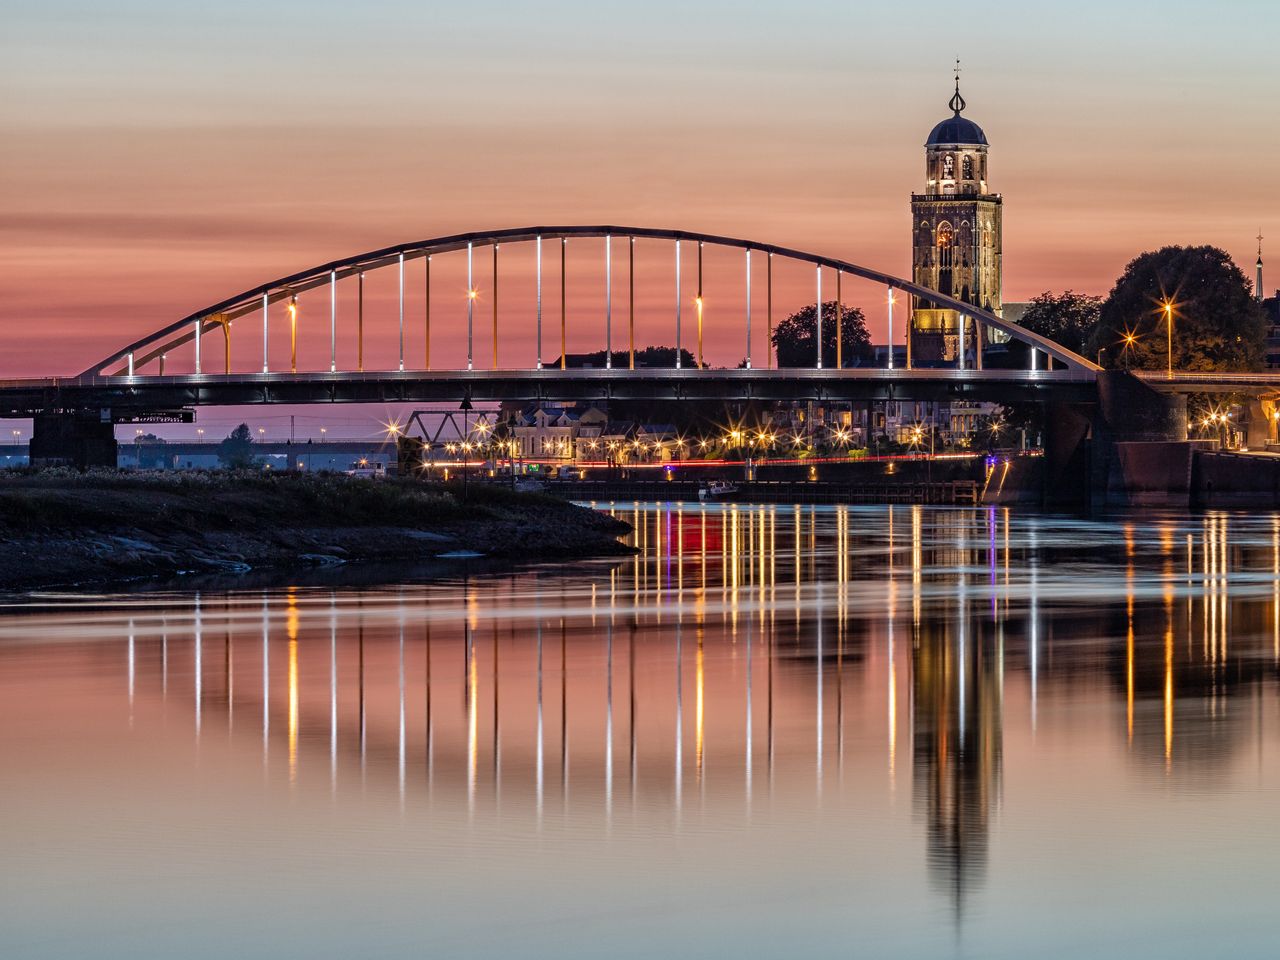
[{"x": 181, "y": 332}]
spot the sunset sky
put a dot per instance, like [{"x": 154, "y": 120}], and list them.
[{"x": 160, "y": 156}]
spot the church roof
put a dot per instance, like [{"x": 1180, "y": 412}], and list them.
[{"x": 956, "y": 129}]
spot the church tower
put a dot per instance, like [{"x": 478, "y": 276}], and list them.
[{"x": 956, "y": 245}]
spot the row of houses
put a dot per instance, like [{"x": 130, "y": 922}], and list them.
[{"x": 585, "y": 432}]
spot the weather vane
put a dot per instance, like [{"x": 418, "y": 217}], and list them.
[{"x": 957, "y": 102}]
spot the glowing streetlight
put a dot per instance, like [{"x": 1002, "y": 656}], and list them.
[{"x": 1168, "y": 314}]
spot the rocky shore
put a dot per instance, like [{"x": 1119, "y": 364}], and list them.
[{"x": 61, "y": 528}]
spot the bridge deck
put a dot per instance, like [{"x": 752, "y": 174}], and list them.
[
  {"x": 23, "y": 397},
  {"x": 26, "y": 397}
]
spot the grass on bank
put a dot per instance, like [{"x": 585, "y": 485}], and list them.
[{"x": 57, "y": 500}]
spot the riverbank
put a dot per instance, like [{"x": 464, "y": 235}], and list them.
[{"x": 62, "y": 528}]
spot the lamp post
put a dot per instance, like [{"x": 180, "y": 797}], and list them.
[
  {"x": 1168, "y": 313},
  {"x": 465, "y": 407},
  {"x": 1130, "y": 339}
]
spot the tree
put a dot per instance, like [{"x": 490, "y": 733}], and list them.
[
  {"x": 1217, "y": 324},
  {"x": 793, "y": 338},
  {"x": 236, "y": 451},
  {"x": 646, "y": 357},
  {"x": 1068, "y": 319}
]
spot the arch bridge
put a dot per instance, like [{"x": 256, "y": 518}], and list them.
[
  {"x": 453, "y": 343},
  {"x": 481, "y": 353}
]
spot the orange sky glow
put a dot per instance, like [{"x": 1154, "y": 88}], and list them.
[{"x": 162, "y": 157}]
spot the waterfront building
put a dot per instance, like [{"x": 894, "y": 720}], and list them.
[
  {"x": 1271, "y": 307},
  {"x": 553, "y": 431}
]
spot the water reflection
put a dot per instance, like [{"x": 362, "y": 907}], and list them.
[{"x": 746, "y": 663}]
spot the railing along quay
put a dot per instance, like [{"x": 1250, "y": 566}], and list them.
[{"x": 951, "y": 492}]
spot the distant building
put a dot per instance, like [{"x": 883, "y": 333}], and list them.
[
  {"x": 554, "y": 431},
  {"x": 1014, "y": 312},
  {"x": 1271, "y": 307}
]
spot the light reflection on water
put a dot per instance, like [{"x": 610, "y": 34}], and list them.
[{"x": 782, "y": 731}]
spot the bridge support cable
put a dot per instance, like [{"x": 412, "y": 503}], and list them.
[
  {"x": 678, "y": 297},
  {"x": 293, "y": 333},
  {"x": 495, "y": 306},
  {"x": 401, "y": 312},
  {"x": 769, "y": 311},
  {"x": 538, "y": 246},
  {"x": 199, "y": 324},
  {"x": 839, "y": 324},
  {"x": 699, "y": 302},
  {"x": 426, "y": 314},
  {"x": 963, "y": 323},
  {"x": 978, "y": 334},
  {"x": 564, "y": 359},
  {"x": 817, "y": 328},
  {"x": 631, "y": 303},
  {"x": 748, "y": 308},
  {"x": 890, "y": 297},
  {"x": 471, "y": 304},
  {"x": 266, "y": 303},
  {"x": 333, "y": 321},
  {"x": 360, "y": 324},
  {"x": 608, "y": 302},
  {"x": 911, "y": 322}
]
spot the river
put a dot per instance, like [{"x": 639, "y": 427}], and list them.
[{"x": 774, "y": 732}]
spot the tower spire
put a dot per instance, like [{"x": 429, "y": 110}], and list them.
[
  {"x": 1257, "y": 287},
  {"x": 957, "y": 102}
]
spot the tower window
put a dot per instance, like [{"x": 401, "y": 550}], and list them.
[
  {"x": 968, "y": 167},
  {"x": 945, "y": 248},
  {"x": 949, "y": 167}
]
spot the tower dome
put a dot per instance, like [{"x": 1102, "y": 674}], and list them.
[{"x": 956, "y": 130}]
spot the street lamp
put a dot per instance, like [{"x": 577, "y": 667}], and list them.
[
  {"x": 1168, "y": 313},
  {"x": 1129, "y": 339}
]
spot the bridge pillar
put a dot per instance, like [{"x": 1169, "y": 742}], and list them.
[
  {"x": 1067, "y": 450},
  {"x": 1260, "y": 424},
  {"x": 1135, "y": 412},
  {"x": 1131, "y": 446},
  {"x": 73, "y": 439},
  {"x": 1141, "y": 453}
]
